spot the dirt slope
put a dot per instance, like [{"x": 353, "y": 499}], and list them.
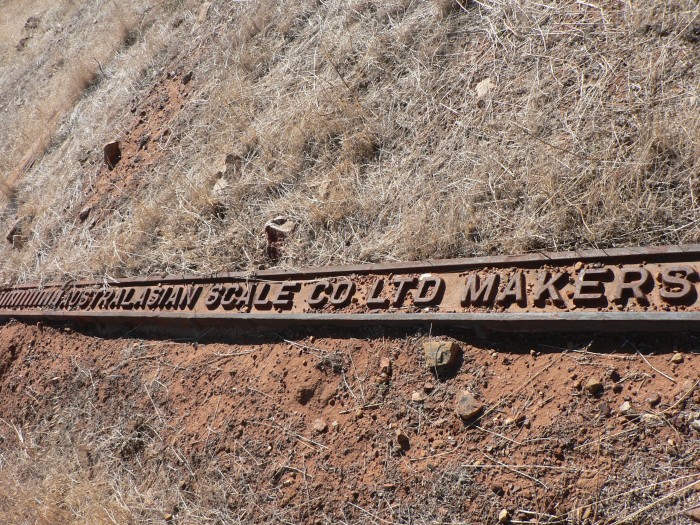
[{"x": 302, "y": 428}]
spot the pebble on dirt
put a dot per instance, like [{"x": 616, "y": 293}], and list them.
[
  {"x": 503, "y": 516},
  {"x": 677, "y": 358},
  {"x": 402, "y": 440},
  {"x": 112, "y": 154},
  {"x": 320, "y": 426},
  {"x": 594, "y": 386},
  {"x": 277, "y": 230},
  {"x": 385, "y": 366},
  {"x": 654, "y": 399},
  {"x": 467, "y": 407},
  {"x": 417, "y": 397},
  {"x": 626, "y": 409},
  {"x": 439, "y": 354}
]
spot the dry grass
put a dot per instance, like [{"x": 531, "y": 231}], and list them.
[{"x": 362, "y": 122}]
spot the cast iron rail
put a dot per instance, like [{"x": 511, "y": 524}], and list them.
[{"x": 629, "y": 289}]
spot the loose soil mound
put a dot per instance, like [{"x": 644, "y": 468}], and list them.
[{"x": 345, "y": 427}]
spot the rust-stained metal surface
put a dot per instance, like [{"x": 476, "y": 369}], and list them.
[{"x": 612, "y": 290}]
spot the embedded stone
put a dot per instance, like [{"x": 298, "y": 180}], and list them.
[
  {"x": 440, "y": 354},
  {"x": 320, "y": 426},
  {"x": 277, "y": 230},
  {"x": 402, "y": 440},
  {"x": 112, "y": 154},
  {"x": 594, "y": 386},
  {"x": 466, "y": 406}
]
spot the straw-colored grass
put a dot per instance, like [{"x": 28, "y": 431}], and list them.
[{"x": 386, "y": 130}]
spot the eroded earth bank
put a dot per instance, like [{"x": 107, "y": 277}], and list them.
[{"x": 338, "y": 426}]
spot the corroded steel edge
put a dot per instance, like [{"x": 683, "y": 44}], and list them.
[
  {"x": 508, "y": 318},
  {"x": 504, "y": 322},
  {"x": 609, "y": 256}
]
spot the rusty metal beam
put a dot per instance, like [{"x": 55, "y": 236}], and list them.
[{"x": 629, "y": 289}]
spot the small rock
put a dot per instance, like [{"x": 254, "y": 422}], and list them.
[
  {"x": 84, "y": 213},
  {"x": 14, "y": 236},
  {"x": 484, "y": 88},
  {"x": 467, "y": 407},
  {"x": 594, "y": 386},
  {"x": 503, "y": 516},
  {"x": 428, "y": 387},
  {"x": 693, "y": 514},
  {"x": 112, "y": 154},
  {"x": 654, "y": 400},
  {"x": 517, "y": 420},
  {"x": 320, "y": 426},
  {"x": 186, "y": 79},
  {"x": 385, "y": 366},
  {"x": 626, "y": 409},
  {"x": 402, "y": 440},
  {"x": 168, "y": 517},
  {"x": 652, "y": 420},
  {"x": 32, "y": 23},
  {"x": 219, "y": 189},
  {"x": 677, "y": 358},
  {"x": 417, "y": 397},
  {"x": 614, "y": 375},
  {"x": 277, "y": 230},
  {"x": 688, "y": 385},
  {"x": 617, "y": 388},
  {"x": 335, "y": 426},
  {"x": 440, "y": 354},
  {"x": 604, "y": 409}
]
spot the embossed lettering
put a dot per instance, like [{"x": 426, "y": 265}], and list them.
[{"x": 478, "y": 295}]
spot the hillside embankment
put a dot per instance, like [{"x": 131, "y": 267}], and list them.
[
  {"x": 355, "y": 131},
  {"x": 338, "y": 426}
]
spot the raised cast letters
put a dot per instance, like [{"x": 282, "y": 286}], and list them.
[
  {"x": 676, "y": 285},
  {"x": 636, "y": 287},
  {"x": 514, "y": 291},
  {"x": 589, "y": 285},
  {"x": 430, "y": 291},
  {"x": 343, "y": 292},
  {"x": 630, "y": 283},
  {"x": 319, "y": 296},
  {"x": 402, "y": 284},
  {"x": 375, "y": 299},
  {"x": 547, "y": 288},
  {"x": 477, "y": 295}
]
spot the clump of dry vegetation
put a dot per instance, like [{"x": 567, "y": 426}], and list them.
[{"x": 385, "y": 130}]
